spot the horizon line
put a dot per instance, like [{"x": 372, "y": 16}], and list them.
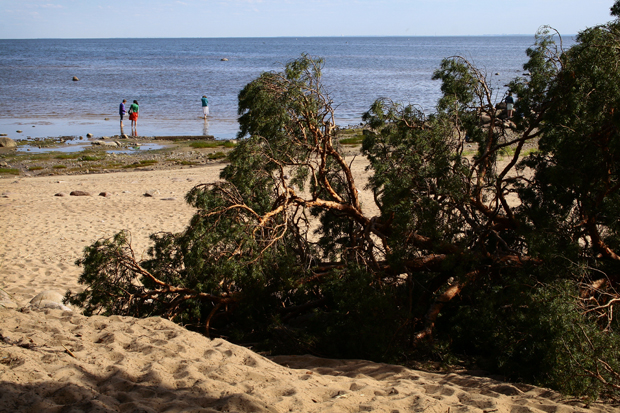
[{"x": 273, "y": 37}]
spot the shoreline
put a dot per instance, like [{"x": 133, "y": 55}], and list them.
[
  {"x": 67, "y": 156},
  {"x": 215, "y": 127},
  {"x": 109, "y": 155},
  {"x": 109, "y": 125}
]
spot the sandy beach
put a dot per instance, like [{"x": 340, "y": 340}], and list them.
[{"x": 54, "y": 360}]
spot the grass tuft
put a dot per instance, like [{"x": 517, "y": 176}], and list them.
[
  {"x": 216, "y": 155},
  {"x": 356, "y": 140},
  {"x": 10, "y": 171},
  {"x": 203, "y": 144},
  {"x": 212, "y": 144}
]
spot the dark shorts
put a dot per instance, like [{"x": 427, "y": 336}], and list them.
[{"x": 122, "y": 114}]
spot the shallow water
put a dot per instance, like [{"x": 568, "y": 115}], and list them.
[{"x": 39, "y": 127}]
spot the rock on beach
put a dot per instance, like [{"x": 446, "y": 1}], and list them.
[
  {"x": 49, "y": 299},
  {"x": 104, "y": 143},
  {"x": 7, "y": 143},
  {"x": 151, "y": 193}
]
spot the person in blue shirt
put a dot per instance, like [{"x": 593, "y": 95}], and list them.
[
  {"x": 121, "y": 110},
  {"x": 205, "y": 107}
]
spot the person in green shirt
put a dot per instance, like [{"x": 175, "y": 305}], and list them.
[
  {"x": 133, "y": 116},
  {"x": 205, "y": 107}
]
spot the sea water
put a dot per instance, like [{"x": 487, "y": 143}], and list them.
[{"x": 169, "y": 76}]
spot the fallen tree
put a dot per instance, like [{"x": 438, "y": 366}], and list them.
[{"x": 509, "y": 256}]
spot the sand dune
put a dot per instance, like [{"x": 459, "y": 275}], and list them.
[
  {"x": 61, "y": 361},
  {"x": 53, "y": 361}
]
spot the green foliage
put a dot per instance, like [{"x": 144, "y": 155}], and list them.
[
  {"x": 537, "y": 334},
  {"x": 357, "y": 318},
  {"x": 615, "y": 9},
  {"x": 107, "y": 280}
]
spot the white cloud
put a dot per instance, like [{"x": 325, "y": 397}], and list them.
[{"x": 51, "y": 6}]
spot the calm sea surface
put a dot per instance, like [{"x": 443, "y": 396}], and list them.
[{"x": 168, "y": 77}]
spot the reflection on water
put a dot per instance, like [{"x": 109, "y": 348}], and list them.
[
  {"x": 142, "y": 147},
  {"x": 48, "y": 127},
  {"x": 205, "y": 127},
  {"x": 86, "y": 146},
  {"x": 64, "y": 149}
]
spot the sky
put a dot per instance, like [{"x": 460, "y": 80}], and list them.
[{"x": 23, "y": 19}]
